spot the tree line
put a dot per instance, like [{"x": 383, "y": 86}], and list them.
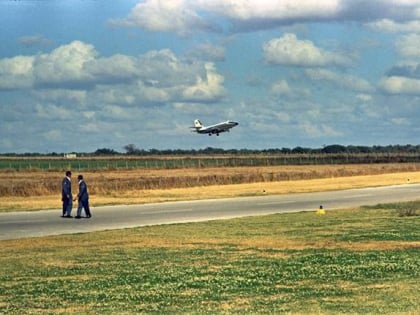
[{"x": 132, "y": 149}]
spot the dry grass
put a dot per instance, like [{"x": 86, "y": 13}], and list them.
[
  {"x": 137, "y": 196},
  {"x": 37, "y": 183}
]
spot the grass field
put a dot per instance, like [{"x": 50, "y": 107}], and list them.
[{"x": 355, "y": 261}]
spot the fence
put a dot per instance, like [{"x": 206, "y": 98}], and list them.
[{"x": 89, "y": 164}]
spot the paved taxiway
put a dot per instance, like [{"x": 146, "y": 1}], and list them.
[{"x": 14, "y": 225}]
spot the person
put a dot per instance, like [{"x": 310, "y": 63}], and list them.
[
  {"x": 66, "y": 195},
  {"x": 83, "y": 199}
]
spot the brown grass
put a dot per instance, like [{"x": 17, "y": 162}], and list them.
[
  {"x": 329, "y": 180},
  {"x": 41, "y": 183}
]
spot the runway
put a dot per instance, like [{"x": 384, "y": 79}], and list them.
[{"x": 15, "y": 225}]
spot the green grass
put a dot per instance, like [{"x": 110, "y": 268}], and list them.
[{"x": 349, "y": 261}]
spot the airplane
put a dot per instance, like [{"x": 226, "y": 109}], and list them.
[{"x": 213, "y": 129}]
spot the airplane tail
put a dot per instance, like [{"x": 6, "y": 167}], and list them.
[{"x": 198, "y": 124}]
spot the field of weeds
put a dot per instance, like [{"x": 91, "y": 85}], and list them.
[
  {"x": 42, "y": 183},
  {"x": 358, "y": 261},
  {"x": 42, "y": 189}
]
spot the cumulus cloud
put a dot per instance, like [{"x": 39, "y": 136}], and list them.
[
  {"x": 409, "y": 46},
  {"x": 318, "y": 130},
  {"x": 400, "y": 121},
  {"x": 410, "y": 70},
  {"x": 16, "y": 72},
  {"x": 165, "y": 16},
  {"x": 282, "y": 89},
  {"x": 185, "y": 17},
  {"x": 207, "y": 51},
  {"x": 205, "y": 88},
  {"x": 289, "y": 50},
  {"x": 157, "y": 76},
  {"x": 61, "y": 95},
  {"x": 364, "y": 97},
  {"x": 117, "y": 68},
  {"x": 391, "y": 26},
  {"x": 348, "y": 81},
  {"x": 400, "y": 85},
  {"x": 52, "y": 112},
  {"x": 404, "y": 77},
  {"x": 268, "y": 9},
  {"x": 64, "y": 64}
]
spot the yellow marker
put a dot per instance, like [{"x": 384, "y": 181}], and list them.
[{"x": 320, "y": 211}]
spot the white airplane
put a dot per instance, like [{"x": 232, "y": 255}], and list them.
[{"x": 213, "y": 129}]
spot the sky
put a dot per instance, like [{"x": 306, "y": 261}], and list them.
[{"x": 76, "y": 76}]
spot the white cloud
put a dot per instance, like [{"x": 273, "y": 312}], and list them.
[
  {"x": 115, "y": 68},
  {"x": 90, "y": 127},
  {"x": 75, "y": 72},
  {"x": 269, "y": 9},
  {"x": 400, "y": 85},
  {"x": 185, "y": 17},
  {"x": 206, "y": 88},
  {"x": 153, "y": 94},
  {"x": 281, "y": 88},
  {"x": 364, "y": 97},
  {"x": 318, "y": 130},
  {"x": 165, "y": 16},
  {"x": 209, "y": 52},
  {"x": 88, "y": 114},
  {"x": 391, "y": 26},
  {"x": 409, "y": 46},
  {"x": 16, "y": 72},
  {"x": 52, "y": 112},
  {"x": 64, "y": 64},
  {"x": 288, "y": 50},
  {"x": 401, "y": 121},
  {"x": 343, "y": 80},
  {"x": 61, "y": 95}
]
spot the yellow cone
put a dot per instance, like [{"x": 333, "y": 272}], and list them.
[{"x": 320, "y": 211}]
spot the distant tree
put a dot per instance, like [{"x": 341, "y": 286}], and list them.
[
  {"x": 334, "y": 148},
  {"x": 105, "y": 151},
  {"x": 301, "y": 150},
  {"x": 131, "y": 149},
  {"x": 210, "y": 150}
]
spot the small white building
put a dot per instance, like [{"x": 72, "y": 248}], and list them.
[{"x": 70, "y": 155}]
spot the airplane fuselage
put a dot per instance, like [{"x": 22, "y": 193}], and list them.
[{"x": 214, "y": 129}]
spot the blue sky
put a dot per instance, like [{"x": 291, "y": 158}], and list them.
[{"x": 83, "y": 75}]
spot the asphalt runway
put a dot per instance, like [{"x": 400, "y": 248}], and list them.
[{"x": 15, "y": 225}]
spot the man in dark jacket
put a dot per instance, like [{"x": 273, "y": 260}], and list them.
[
  {"x": 83, "y": 198},
  {"x": 66, "y": 195}
]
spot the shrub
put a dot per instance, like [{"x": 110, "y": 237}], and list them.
[{"x": 408, "y": 209}]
